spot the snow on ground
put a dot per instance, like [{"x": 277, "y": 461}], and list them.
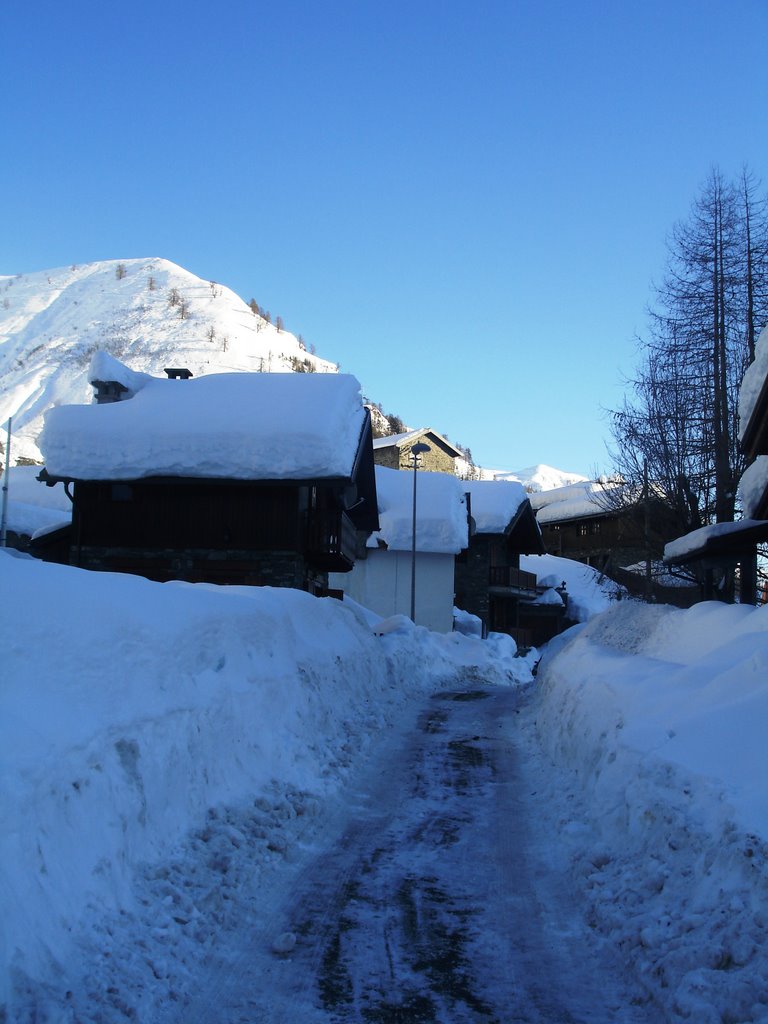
[
  {"x": 589, "y": 592},
  {"x": 140, "y": 723},
  {"x": 166, "y": 747},
  {"x": 654, "y": 720}
]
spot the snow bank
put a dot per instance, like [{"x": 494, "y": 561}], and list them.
[
  {"x": 658, "y": 715},
  {"x": 589, "y": 592},
  {"x": 130, "y": 709}
]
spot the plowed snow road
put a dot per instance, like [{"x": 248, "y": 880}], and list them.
[{"x": 442, "y": 899}]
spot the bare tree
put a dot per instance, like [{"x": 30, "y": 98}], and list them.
[{"x": 681, "y": 418}]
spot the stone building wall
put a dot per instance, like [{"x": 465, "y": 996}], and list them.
[
  {"x": 436, "y": 460},
  {"x": 244, "y": 568}
]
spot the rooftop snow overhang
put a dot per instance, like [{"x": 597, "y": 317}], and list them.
[
  {"x": 754, "y": 435},
  {"x": 732, "y": 541}
]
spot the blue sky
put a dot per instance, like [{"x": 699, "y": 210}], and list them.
[{"x": 463, "y": 203}]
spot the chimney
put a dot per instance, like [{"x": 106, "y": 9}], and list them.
[{"x": 108, "y": 391}]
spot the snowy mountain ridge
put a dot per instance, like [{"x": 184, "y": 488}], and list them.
[{"x": 149, "y": 313}]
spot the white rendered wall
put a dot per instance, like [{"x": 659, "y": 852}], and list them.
[{"x": 382, "y": 582}]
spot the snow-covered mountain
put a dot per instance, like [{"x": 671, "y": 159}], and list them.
[
  {"x": 540, "y": 478},
  {"x": 149, "y": 313}
]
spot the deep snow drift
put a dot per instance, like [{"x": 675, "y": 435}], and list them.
[
  {"x": 164, "y": 746},
  {"x": 656, "y": 719},
  {"x": 130, "y": 709}
]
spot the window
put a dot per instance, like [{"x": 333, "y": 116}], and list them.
[{"x": 583, "y": 529}]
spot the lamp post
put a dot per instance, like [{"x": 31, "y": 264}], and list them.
[{"x": 416, "y": 451}]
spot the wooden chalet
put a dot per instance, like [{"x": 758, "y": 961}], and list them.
[
  {"x": 260, "y": 479},
  {"x": 591, "y": 522},
  {"x": 394, "y": 451},
  {"x": 489, "y": 582}
]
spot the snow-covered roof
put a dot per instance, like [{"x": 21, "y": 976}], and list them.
[
  {"x": 56, "y": 318},
  {"x": 704, "y": 541},
  {"x": 752, "y": 384},
  {"x": 754, "y": 485},
  {"x": 495, "y": 503},
  {"x": 248, "y": 426},
  {"x": 441, "y": 511},
  {"x": 572, "y": 502}
]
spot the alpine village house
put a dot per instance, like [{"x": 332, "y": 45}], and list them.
[{"x": 264, "y": 479}]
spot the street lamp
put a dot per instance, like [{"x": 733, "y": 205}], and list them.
[{"x": 417, "y": 450}]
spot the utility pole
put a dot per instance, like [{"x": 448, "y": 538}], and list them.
[
  {"x": 4, "y": 516},
  {"x": 416, "y": 451}
]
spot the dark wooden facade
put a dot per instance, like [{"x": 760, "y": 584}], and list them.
[
  {"x": 611, "y": 539},
  {"x": 256, "y": 532},
  {"x": 490, "y": 584},
  {"x": 218, "y": 531}
]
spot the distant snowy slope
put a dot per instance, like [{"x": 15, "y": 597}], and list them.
[
  {"x": 149, "y": 313},
  {"x": 540, "y": 477}
]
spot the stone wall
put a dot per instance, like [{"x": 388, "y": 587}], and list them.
[
  {"x": 436, "y": 460},
  {"x": 249, "y": 568}
]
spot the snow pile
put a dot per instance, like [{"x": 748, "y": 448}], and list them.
[
  {"x": 148, "y": 313},
  {"x": 254, "y": 426},
  {"x": 441, "y": 511},
  {"x": 495, "y": 503},
  {"x": 658, "y": 718},
  {"x": 589, "y": 592},
  {"x": 147, "y": 725}
]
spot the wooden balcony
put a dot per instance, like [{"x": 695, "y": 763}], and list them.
[
  {"x": 512, "y": 581},
  {"x": 330, "y": 540}
]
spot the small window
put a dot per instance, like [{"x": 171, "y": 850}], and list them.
[
  {"x": 583, "y": 529},
  {"x": 595, "y": 527}
]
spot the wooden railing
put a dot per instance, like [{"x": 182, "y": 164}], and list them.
[
  {"x": 331, "y": 540},
  {"x": 513, "y": 579}
]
